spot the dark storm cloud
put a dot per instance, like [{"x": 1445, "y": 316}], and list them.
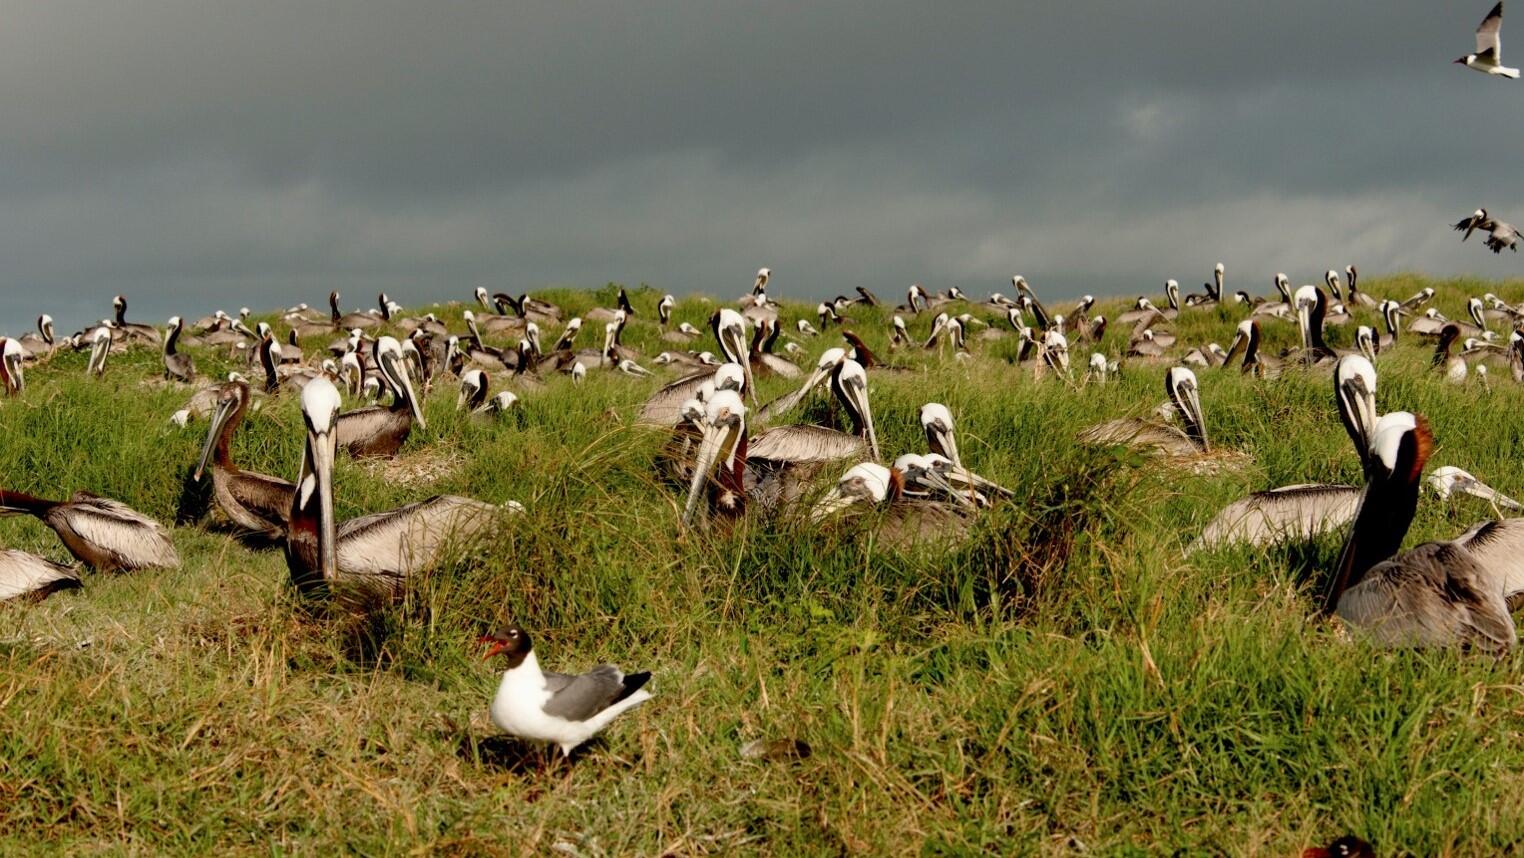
[{"x": 203, "y": 154}]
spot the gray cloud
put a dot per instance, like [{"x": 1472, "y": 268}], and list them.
[{"x": 197, "y": 155}]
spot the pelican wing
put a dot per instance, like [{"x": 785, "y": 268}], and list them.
[
  {"x": 578, "y": 698},
  {"x": 1132, "y": 432},
  {"x": 1289, "y": 513},
  {"x": 1433, "y": 595},
  {"x": 371, "y": 431},
  {"x": 23, "y": 574},
  {"x": 131, "y": 539},
  {"x": 665, "y": 405},
  {"x": 804, "y": 444},
  {"x": 268, "y": 498},
  {"x": 1498, "y": 547},
  {"x": 409, "y": 539},
  {"x": 779, "y": 366}
]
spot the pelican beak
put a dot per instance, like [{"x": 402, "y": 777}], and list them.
[
  {"x": 321, "y": 447},
  {"x": 219, "y": 417},
  {"x": 1304, "y": 323},
  {"x": 404, "y": 384},
  {"x": 1239, "y": 342},
  {"x": 833, "y": 502},
  {"x": 718, "y": 439},
  {"x": 1361, "y": 405},
  {"x": 1479, "y": 489},
  {"x": 858, "y": 398},
  {"x": 13, "y": 376},
  {"x": 941, "y": 438},
  {"x": 736, "y": 349}
]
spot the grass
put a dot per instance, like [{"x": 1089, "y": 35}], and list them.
[{"x": 1063, "y": 680}]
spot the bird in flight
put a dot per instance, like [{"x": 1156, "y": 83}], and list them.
[{"x": 1489, "y": 47}]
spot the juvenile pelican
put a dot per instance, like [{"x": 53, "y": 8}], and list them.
[
  {"x": 373, "y": 552},
  {"x": 253, "y": 501}
]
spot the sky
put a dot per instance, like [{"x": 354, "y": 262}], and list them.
[{"x": 208, "y": 154}]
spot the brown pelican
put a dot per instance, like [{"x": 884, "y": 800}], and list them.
[
  {"x": 373, "y": 552},
  {"x": 23, "y": 574},
  {"x": 100, "y": 347},
  {"x": 12, "y": 381},
  {"x": 177, "y": 366},
  {"x": 474, "y": 387},
  {"x": 1256, "y": 362},
  {"x": 101, "y": 533},
  {"x": 380, "y": 430},
  {"x": 729, "y": 328},
  {"x": 35, "y": 345},
  {"x": 1311, "y": 307},
  {"x": 906, "y": 519},
  {"x": 481, "y": 354},
  {"x": 253, "y": 501},
  {"x": 761, "y": 357},
  {"x": 1280, "y": 309},
  {"x": 132, "y": 330},
  {"x": 784, "y": 457},
  {"x": 1356, "y": 297},
  {"x": 1180, "y": 385},
  {"x": 604, "y": 315},
  {"x": 1437, "y": 594},
  {"x": 665, "y": 405},
  {"x": 1303, "y": 511},
  {"x": 1450, "y": 480},
  {"x": 347, "y": 321},
  {"x": 1454, "y": 366}
]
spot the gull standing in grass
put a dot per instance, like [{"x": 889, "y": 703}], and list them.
[
  {"x": 1488, "y": 58},
  {"x": 559, "y": 708}
]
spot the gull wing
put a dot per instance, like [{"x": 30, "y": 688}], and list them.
[
  {"x": 578, "y": 698},
  {"x": 1489, "y": 36}
]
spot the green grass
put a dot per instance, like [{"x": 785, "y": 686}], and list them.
[{"x": 1064, "y": 679}]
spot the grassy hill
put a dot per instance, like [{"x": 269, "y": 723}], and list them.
[{"x": 1064, "y": 679}]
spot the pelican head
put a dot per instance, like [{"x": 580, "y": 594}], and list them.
[
  {"x": 232, "y": 398},
  {"x": 1304, "y": 302},
  {"x": 1056, "y": 350},
  {"x": 730, "y": 331},
  {"x": 1355, "y": 393},
  {"x": 1331, "y": 280},
  {"x": 473, "y": 389},
  {"x": 100, "y": 347},
  {"x": 1365, "y": 341},
  {"x": 393, "y": 366},
  {"x": 502, "y": 402},
  {"x": 1180, "y": 385},
  {"x": 867, "y": 482},
  {"x": 723, "y": 430},
  {"x": 937, "y": 422},
  {"x": 483, "y": 298},
  {"x": 730, "y": 376},
  {"x": 311, "y": 538},
  {"x": 850, "y": 384},
  {"x": 1450, "y": 480},
  {"x": 664, "y": 308}
]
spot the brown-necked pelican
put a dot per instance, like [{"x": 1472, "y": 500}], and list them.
[
  {"x": 380, "y": 430},
  {"x": 177, "y": 366},
  {"x": 101, "y": 533},
  {"x": 12, "y": 380},
  {"x": 474, "y": 387},
  {"x": 1180, "y": 385},
  {"x": 1255, "y": 361},
  {"x": 375, "y": 552},
  {"x": 39, "y": 343},
  {"x": 729, "y": 328},
  {"x": 1454, "y": 366},
  {"x": 1303, "y": 511},
  {"x": 23, "y": 574},
  {"x": 255, "y": 502},
  {"x": 1437, "y": 594},
  {"x": 346, "y": 321},
  {"x": 1311, "y": 307},
  {"x": 132, "y": 330},
  {"x": 1356, "y": 297},
  {"x": 761, "y": 357}
]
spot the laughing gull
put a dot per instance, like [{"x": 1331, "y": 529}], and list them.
[
  {"x": 1489, "y": 47},
  {"x": 559, "y": 708}
]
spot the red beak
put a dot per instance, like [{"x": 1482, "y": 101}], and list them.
[
  {"x": 496, "y": 646},
  {"x": 1318, "y": 851}
]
